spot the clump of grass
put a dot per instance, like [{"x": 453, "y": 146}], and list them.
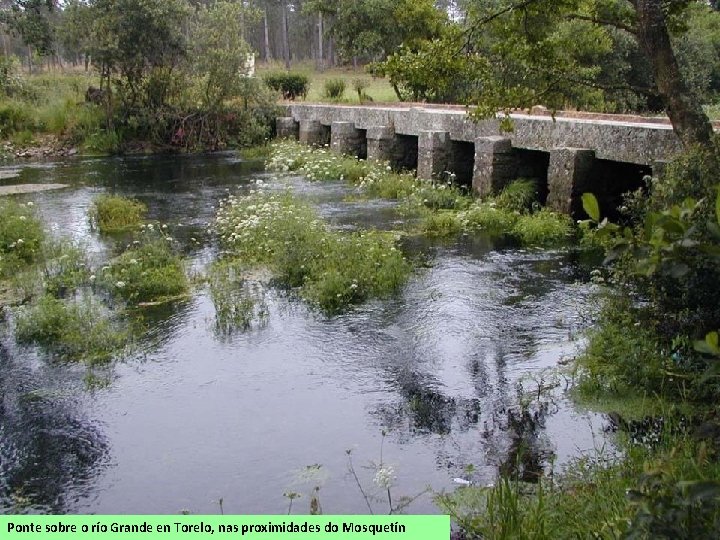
[
  {"x": 21, "y": 236},
  {"x": 488, "y": 217},
  {"x": 148, "y": 272},
  {"x": 114, "y": 214},
  {"x": 238, "y": 302},
  {"x": 71, "y": 330},
  {"x": 518, "y": 196},
  {"x": 442, "y": 223},
  {"x": 334, "y": 88},
  {"x": 543, "y": 228},
  {"x": 331, "y": 269}
]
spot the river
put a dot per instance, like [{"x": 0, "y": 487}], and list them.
[{"x": 427, "y": 381}]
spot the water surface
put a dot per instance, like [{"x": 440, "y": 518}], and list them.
[{"x": 427, "y": 381}]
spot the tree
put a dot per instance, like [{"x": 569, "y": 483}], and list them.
[
  {"x": 530, "y": 27},
  {"x": 133, "y": 38},
  {"x": 219, "y": 51}
]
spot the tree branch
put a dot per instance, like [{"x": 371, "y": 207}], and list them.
[{"x": 603, "y": 22}]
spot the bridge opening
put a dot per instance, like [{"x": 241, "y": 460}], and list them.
[
  {"x": 405, "y": 156},
  {"x": 609, "y": 181},
  {"x": 533, "y": 165},
  {"x": 362, "y": 145},
  {"x": 462, "y": 162},
  {"x": 323, "y": 135}
]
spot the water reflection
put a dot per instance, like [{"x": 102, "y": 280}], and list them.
[{"x": 49, "y": 452}]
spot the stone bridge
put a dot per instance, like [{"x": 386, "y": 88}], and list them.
[{"x": 567, "y": 156}]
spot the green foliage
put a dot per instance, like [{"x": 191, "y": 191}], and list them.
[
  {"x": 148, "y": 272},
  {"x": 219, "y": 50},
  {"x": 545, "y": 228},
  {"x": 433, "y": 72},
  {"x": 375, "y": 28},
  {"x": 487, "y": 216},
  {"x": 334, "y": 88},
  {"x": 71, "y": 330},
  {"x": 21, "y": 236},
  {"x": 113, "y": 213},
  {"x": 518, "y": 196},
  {"x": 331, "y": 269},
  {"x": 290, "y": 85},
  {"x": 64, "y": 268},
  {"x": 360, "y": 86},
  {"x": 14, "y": 117}
]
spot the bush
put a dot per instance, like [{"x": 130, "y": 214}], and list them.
[
  {"x": 113, "y": 213},
  {"x": 147, "y": 273},
  {"x": 334, "y": 88},
  {"x": 14, "y": 117},
  {"x": 73, "y": 330},
  {"x": 359, "y": 85},
  {"x": 290, "y": 85}
]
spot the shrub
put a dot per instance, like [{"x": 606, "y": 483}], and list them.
[
  {"x": 334, "y": 88},
  {"x": 14, "y": 117},
  {"x": 113, "y": 213},
  {"x": 72, "y": 330},
  {"x": 290, "y": 85},
  {"x": 21, "y": 236},
  {"x": 147, "y": 273},
  {"x": 359, "y": 85}
]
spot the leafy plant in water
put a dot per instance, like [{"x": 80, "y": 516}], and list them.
[
  {"x": 148, "y": 272},
  {"x": 75, "y": 330},
  {"x": 21, "y": 236},
  {"x": 113, "y": 213}
]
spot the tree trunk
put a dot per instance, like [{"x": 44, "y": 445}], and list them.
[
  {"x": 286, "y": 45},
  {"x": 268, "y": 56},
  {"x": 683, "y": 108},
  {"x": 321, "y": 63}
]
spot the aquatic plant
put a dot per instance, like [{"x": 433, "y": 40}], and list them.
[
  {"x": 148, "y": 272},
  {"x": 21, "y": 236},
  {"x": 113, "y": 213},
  {"x": 64, "y": 268},
  {"x": 543, "y": 228},
  {"x": 332, "y": 269},
  {"x": 518, "y": 196},
  {"x": 238, "y": 301},
  {"x": 74, "y": 330}
]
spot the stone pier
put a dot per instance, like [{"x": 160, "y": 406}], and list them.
[
  {"x": 381, "y": 143},
  {"x": 345, "y": 138},
  {"x": 568, "y": 178},
  {"x": 495, "y": 164},
  {"x": 314, "y": 133},
  {"x": 434, "y": 154},
  {"x": 286, "y": 128}
]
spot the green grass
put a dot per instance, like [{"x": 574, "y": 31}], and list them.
[
  {"x": 378, "y": 89},
  {"x": 71, "y": 330},
  {"x": 115, "y": 214}
]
